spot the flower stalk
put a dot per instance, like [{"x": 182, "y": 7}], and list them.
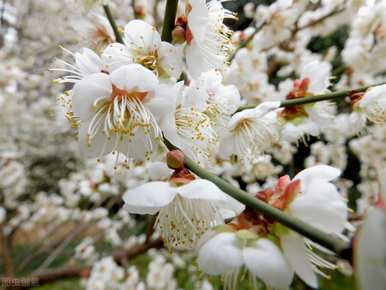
[
  {"x": 114, "y": 26},
  {"x": 169, "y": 20},
  {"x": 318, "y": 98},
  {"x": 326, "y": 97}
]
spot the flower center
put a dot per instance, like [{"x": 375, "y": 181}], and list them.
[
  {"x": 184, "y": 221},
  {"x": 149, "y": 61}
]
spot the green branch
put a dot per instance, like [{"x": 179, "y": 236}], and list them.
[
  {"x": 317, "y": 98},
  {"x": 324, "y": 239},
  {"x": 325, "y": 97},
  {"x": 114, "y": 26},
  {"x": 169, "y": 20}
]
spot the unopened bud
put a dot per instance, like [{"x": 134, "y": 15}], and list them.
[
  {"x": 175, "y": 159},
  {"x": 178, "y": 35}
]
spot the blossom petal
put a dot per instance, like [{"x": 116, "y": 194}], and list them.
[
  {"x": 266, "y": 261},
  {"x": 170, "y": 59},
  {"x": 319, "y": 74},
  {"x": 87, "y": 91},
  {"x": 322, "y": 206},
  {"x": 230, "y": 207},
  {"x": 134, "y": 77},
  {"x": 88, "y": 62},
  {"x": 198, "y": 18},
  {"x": 295, "y": 252},
  {"x": 212, "y": 258},
  {"x": 99, "y": 146},
  {"x": 201, "y": 189},
  {"x": 196, "y": 61},
  {"x": 116, "y": 55},
  {"x": 149, "y": 197},
  {"x": 322, "y": 172},
  {"x": 141, "y": 36}
]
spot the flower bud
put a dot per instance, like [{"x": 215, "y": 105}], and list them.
[
  {"x": 175, "y": 159},
  {"x": 178, "y": 35}
]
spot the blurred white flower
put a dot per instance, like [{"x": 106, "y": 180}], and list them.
[
  {"x": 370, "y": 253},
  {"x": 373, "y": 104}
]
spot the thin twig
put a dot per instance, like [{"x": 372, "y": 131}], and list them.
[
  {"x": 169, "y": 20},
  {"x": 114, "y": 26}
]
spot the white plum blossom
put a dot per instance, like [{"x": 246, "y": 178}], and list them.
[
  {"x": 143, "y": 45},
  {"x": 113, "y": 112},
  {"x": 308, "y": 119},
  {"x": 315, "y": 200},
  {"x": 251, "y": 132},
  {"x": 373, "y": 104},
  {"x": 208, "y": 39},
  {"x": 230, "y": 253},
  {"x": 185, "y": 212},
  {"x": 187, "y": 125}
]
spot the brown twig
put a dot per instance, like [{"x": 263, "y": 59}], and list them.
[
  {"x": 6, "y": 253},
  {"x": 49, "y": 276}
]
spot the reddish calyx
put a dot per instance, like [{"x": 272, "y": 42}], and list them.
[
  {"x": 279, "y": 196},
  {"x": 181, "y": 176},
  {"x": 182, "y": 32},
  {"x": 356, "y": 97},
  {"x": 120, "y": 94},
  {"x": 299, "y": 90}
]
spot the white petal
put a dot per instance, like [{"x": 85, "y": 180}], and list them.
[
  {"x": 198, "y": 18},
  {"x": 196, "y": 60},
  {"x": 163, "y": 104},
  {"x": 87, "y": 91},
  {"x": 322, "y": 206},
  {"x": 149, "y": 197},
  {"x": 141, "y": 36},
  {"x": 88, "y": 62},
  {"x": 266, "y": 261},
  {"x": 201, "y": 189},
  {"x": 99, "y": 146},
  {"x": 230, "y": 207},
  {"x": 319, "y": 74},
  {"x": 373, "y": 94},
  {"x": 266, "y": 107},
  {"x": 134, "y": 77},
  {"x": 116, "y": 55},
  {"x": 295, "y": 252},
  {"x": 220, "y": 254},
  {"x": 323, "y": 172},
  {"x": 170, "y": 59}
]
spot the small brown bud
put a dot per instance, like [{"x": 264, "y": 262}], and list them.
[
  {"x": 178, "y": 35},
  {"x": 175, "y": 159}
]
